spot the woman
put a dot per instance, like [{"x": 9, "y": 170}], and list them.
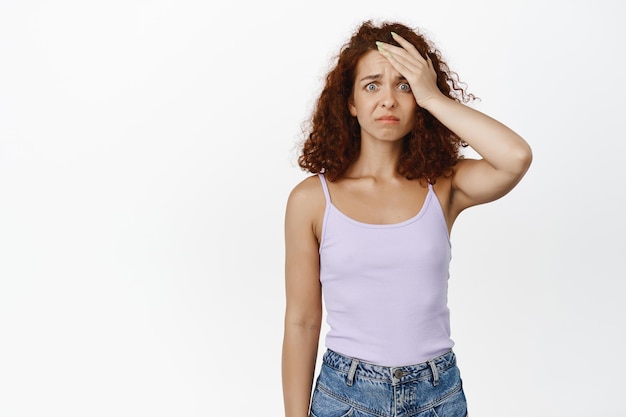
[{"x": 372, "y": 229}]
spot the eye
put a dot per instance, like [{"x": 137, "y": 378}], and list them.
[
  {"x": 404, "y": 87},
  {"x": 371, "y": 87}
]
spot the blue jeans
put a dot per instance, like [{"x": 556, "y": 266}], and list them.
[{"x": 347, "y": 387}]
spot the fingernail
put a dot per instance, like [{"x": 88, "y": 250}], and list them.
[
  {"x": 383, "y": 50},
  {"x": 394, "y": 34}
]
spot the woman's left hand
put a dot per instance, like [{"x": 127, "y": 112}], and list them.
[{"x": 419, "y": 72}]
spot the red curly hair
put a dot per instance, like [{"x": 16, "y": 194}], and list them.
[{"x": 429, "y": 151}]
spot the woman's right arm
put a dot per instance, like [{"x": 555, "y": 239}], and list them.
[{"x": 303, "y": 313}]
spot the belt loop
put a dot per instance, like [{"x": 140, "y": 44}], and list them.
[
  {"x": 433, "y": 368},
  {"x": 350, "y": 380}
]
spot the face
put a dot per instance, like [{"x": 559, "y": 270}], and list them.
[{"x": 382, "y": 100}]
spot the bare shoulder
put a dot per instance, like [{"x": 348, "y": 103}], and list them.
[
  {"x": 306, "y": 195},
  {"x": 308, "y": 188},
  {"x": 306, "y": 205}
]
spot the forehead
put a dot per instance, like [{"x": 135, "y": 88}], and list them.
[{"x": 373, "y": 63}]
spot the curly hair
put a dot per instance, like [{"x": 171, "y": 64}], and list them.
[{"x": 333, "y": 141}]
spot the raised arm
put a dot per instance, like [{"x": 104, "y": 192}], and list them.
[
  {"x": 505, "y": 155},
  {"x": 303, "y": 315}
]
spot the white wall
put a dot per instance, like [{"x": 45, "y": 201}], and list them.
[{"x": 146, "y": 154}]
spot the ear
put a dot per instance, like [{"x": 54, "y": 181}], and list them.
[{"x": 352, "y": 107}]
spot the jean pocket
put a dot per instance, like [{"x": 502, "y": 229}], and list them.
[
  {"x": 324, "y": 405},
  {"x": 453, "y": 406}
]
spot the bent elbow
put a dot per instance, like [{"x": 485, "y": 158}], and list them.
[
  {"x": 528, "y": 158},
  {"x": 523, "y": 159}
]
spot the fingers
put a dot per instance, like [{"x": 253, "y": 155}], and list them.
[
  {"x": 406, "y": 48},
  {"x": 401, "y": 59},
  {"x": 407, "y": 55},
  {"x": 417, "y": 70},
  {"x": 393, "y": 51}
]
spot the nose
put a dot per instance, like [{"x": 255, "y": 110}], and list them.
[{"x": 388, "y": 100}]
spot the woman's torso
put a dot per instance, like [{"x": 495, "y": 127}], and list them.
[{"x": 384, "y": 259}]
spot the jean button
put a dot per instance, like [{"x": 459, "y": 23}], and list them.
[{"x": 398, "y": 373}]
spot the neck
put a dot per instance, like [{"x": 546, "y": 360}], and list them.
[{"x": 376, "y": 159}]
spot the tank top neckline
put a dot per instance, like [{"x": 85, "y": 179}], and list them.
[{"x": 331, "y": 206}]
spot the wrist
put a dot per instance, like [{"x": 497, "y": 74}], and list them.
[{"x": 435, "y": 102}]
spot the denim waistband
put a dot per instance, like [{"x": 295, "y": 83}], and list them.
[{"x": 392, "y": 374}]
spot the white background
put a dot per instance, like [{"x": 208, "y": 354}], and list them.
[{"x": 147, "y": 149}]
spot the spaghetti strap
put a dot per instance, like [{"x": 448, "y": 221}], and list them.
[{"x": 324, "y": 187}]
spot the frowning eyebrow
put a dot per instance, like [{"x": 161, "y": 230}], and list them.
[{"x": 375, "y": 77}]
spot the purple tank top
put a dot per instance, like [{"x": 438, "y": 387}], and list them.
[{"x": 385, "y": 286}]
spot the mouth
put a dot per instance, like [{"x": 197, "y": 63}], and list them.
[{"x": 388, "y": 119}]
